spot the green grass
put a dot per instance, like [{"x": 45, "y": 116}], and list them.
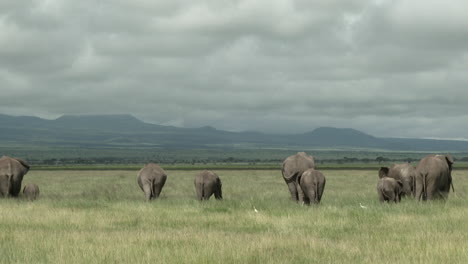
[{"x": 101, "y": 217}]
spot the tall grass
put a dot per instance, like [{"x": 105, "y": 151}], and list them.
[{"x": 101, "y": 217}]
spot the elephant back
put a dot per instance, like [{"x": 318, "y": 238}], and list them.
[
  {"x": 151, "y": 170},
  {"x": 433, "y": 163},
  {"x": 205, "y": 176},
  {"x": 402, "y": 171},
  {"x": 297, "y": 164}
]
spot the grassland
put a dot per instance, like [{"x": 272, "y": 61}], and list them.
[{"x": 101, "y": 217}]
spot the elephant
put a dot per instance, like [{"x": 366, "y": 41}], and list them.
[
  {"x": 404, "y": 172},
  {"x": 389, "y": 189},
  {"x": 151, "y": 179},
  {"x": 31, "y": 191},
  {"x": 208, "y": 183},
  {"x": 312, "y": 183},
  {"x": 434, "y": 177},
  {"x": 12, "y": 171},
  {"x": 293, "y": 166}
]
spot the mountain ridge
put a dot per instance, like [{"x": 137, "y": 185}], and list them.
[{"x": 127, "y": 130}]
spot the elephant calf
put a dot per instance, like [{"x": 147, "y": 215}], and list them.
[
  {"x": 312, "y": 184},
  {"x": 31, "y": 191},
  {"x": 404, "y": 172},
  {"x": 151, "y": 180},
  {"x": 208, "y": 183},
  {"x": 389, "y": 189}
]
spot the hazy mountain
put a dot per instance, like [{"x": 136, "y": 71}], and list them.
[{"x": 126, "y": 130}]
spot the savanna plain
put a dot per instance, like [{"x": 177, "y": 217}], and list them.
[{"x": 102, "y": 217}]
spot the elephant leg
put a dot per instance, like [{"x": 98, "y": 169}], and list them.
[
  {"x": 311, "y": 196},
  {"x": 381, "y": 196},
  {"x": 320, "y": 192},
  {"x": 418, "y": 193},
  {"x": 199, "y": 189},
  {"x": 391, "y": 196},
  {"x": 218, "y": 193},
  {"x": 397, "y": 197},
  {"x": 208, "y": 191},
  {"x": 431, "y": 195},
  {"x": 301, "y": 196},
  {"x": 157, "y": 187},
  {"x": 293, "y": 191},
  {"x": 147, "y": 190}
]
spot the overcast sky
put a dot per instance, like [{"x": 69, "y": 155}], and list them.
[{"x": 388, "y": 68}]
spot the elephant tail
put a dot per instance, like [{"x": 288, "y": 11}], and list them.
[
  {"x": 424, "y": 187},
  {"x": 152, "y": 188},
  {"x": 317, "y": 197}
]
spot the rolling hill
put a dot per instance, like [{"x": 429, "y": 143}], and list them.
[{"x": 126, "y": 130}]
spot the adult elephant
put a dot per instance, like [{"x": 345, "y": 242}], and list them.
[
  {"x": 294, "y": 166},
  {"x": 151, "y": 179},
  {"x": 434, "y": 177},
  {"x": 12, "y": 171},
  {"x": 208, "y": 183},
  {"x": 403, "y": 172}
]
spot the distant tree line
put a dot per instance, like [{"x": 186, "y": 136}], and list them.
[{"x": 176, "y": 160}]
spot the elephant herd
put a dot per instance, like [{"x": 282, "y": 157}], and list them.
[{"x": 431, "y": 179}]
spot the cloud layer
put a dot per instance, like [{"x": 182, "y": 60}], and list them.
[{"x": 390, "y": 68}]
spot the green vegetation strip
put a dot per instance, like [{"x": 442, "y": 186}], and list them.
[{"x": 234, "y": 166}]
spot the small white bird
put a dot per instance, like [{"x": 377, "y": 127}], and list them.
[
  {"x": 255, "y": 209},
  {"x": 362, "y": 206}
]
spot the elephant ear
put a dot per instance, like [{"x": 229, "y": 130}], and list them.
[
  {"x": 449, "y": 160},
  {"x": 24, "y": 163},
  {"x": 400, "y": 183},
  {"x": 383, "y": 172}
]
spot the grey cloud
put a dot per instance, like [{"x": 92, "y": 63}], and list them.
[{"x": 390, "y": 68}]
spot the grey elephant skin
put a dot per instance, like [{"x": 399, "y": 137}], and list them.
[
  {"x": 293, "y": 166},
  {"x": 208, "y": 183},
  {"x": 12, "y": 171},
  {"x": 404, "y": 172},
  {"x": 312, "y": 184},
  {"x": 31, "y": 191},
  {"x": 151, "y": 179},
  {"x": 434, "y": 177},
  {"x": 389, "y": 189}
]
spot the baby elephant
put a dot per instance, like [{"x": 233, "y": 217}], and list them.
[
  {"x": 206, "y": 184},
  {"x": 389, "y": 189},
  {"x": 312, "y": 183},
  {"x": 31, "y": 191}
]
